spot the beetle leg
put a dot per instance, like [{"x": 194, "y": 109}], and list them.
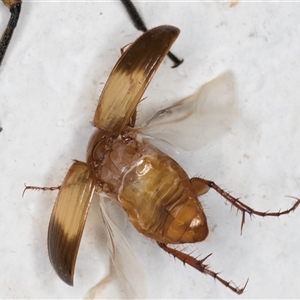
[
  {"x": 199, "y": 265},
  {"x": 140, "y": 25},
  {"x": 39, "y": 188},
  {"x": 132, "y": 120},
  {"x": 240, "y": 205},
  {"x": 199, "y": 186},
  {"x": 15, "y": 9}
]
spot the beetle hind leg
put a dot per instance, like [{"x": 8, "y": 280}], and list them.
[
  {"x": 202, "y": 185},
  {"x": 199, "y": 265},
  {"x": 199, "y": 186}
]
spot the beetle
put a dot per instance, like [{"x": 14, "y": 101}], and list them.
[
  {"x": 161, "y": 201},
  {"x": 15, "y": 9}
]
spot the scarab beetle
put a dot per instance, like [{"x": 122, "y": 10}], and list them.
[{"x": 161, "y": 201}]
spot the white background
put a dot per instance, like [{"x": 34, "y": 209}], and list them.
[{"x": 59, "y": 59}]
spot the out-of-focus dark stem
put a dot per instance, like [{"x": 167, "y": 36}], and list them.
[{"x": 15, "y": 10}]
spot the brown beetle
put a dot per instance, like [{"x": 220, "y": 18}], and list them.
[{"x": 159, "y": 198}]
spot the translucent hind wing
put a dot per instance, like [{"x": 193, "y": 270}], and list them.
[
  {"x": 128, "y": 270},
  {"x": 193, "y": 122}
]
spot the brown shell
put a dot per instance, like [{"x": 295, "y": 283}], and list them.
[
  {"x": 68, "y": 219},
  {"x": 130, "y": 78}
]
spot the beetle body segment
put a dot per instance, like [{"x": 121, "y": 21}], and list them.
[{"x": 153, "y": 189}]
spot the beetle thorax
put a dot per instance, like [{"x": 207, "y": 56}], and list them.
[{"x": 113, "y": 157}]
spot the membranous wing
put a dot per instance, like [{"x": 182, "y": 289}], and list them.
[
  {"x": 192, "y": 122},
  {"x": 126, "y": 278}
]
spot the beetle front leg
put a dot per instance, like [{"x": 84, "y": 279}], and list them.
[
  {"x": 199, "y": 265},
  {"x": 40, "y": 188},
  {"x": 132, "y": 120},
  {"x": 199, "y": 184}
]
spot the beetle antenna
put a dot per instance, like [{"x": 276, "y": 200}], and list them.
[{"x": 140, "y": 25}]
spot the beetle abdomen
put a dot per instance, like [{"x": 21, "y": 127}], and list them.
[{"x": 160, "y": 202}]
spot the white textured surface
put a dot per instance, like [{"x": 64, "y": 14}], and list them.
[{"x": 50, "y": 80}]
